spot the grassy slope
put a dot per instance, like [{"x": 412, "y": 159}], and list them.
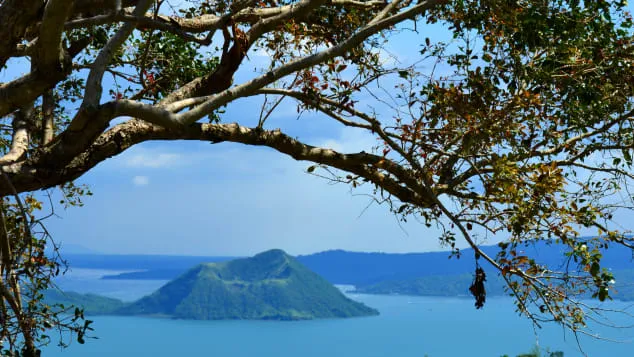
[
  {"x": 271, "y": 285},
  {"x": 92, "y": 304}
]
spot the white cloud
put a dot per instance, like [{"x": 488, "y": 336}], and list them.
[
  {"x": 350, "y": 140},
  {"x": 152, "y": 160},
  {"x": 140, "y": 180}
]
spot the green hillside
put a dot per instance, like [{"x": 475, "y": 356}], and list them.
[
  {"x": 458, "y": 285},
  {"x": 435, "y": 285},
  {"x": 91, "y": 303},
  {"x": 271, "y": 285}
]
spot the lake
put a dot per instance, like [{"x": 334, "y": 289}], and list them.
[{"x": 407, "y": 326}]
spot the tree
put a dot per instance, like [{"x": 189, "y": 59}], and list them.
[{"x": 520, "y": 126}]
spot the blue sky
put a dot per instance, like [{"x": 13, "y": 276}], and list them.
[{"x": 226, "y": 199}]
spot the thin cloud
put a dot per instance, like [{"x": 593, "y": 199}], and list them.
[
  {"x": 151, "y": 160},
  {"x": 140, "y": 180},
  {"x": 350, "y": 140}
]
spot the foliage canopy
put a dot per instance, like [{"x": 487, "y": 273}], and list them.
[{"x": 520, "y": 126}]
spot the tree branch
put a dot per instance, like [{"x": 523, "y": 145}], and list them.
[
  {"x": 48, "y": 118},
  {"x": 36, "y": 172},
  {"x": 92, "y": 94},
  {"x": 15, "y": 17},
  {"x": 50, "y": 53},
  {"x": 20, "y": 140},
  {"x": 26, "y": 89},
  {"x": 248, "y": 88}
]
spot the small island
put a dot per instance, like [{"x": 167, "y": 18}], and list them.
[{"x": 269, "y": 286}]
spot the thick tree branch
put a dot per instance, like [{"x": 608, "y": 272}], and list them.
[
  {"x": 93, "y": 91},
  {"x": 15, "y": 17},
  {"x": 26, "y": 89},
  {"x": 48, "y": 117},
  {"x": 20, "y": 140},
  {"x": 389, "y": 9},
  {"x": 50, "y": 53},
  {"x": 36, "y": 173},
  {"x": 143, "y": 23},
  {"x": 207, "y": 22}
]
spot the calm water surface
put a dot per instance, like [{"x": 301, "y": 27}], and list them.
[{"x": 407, "y": 326}]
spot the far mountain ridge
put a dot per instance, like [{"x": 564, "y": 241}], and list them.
[{"x": 362, "y": 268}]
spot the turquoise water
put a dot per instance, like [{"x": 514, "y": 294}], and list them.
[
  {"x": 89, "y": 281},
  {"x": 407, "y": 326}
]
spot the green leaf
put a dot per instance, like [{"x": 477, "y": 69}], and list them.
[{"x": 627, "y": 156}]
